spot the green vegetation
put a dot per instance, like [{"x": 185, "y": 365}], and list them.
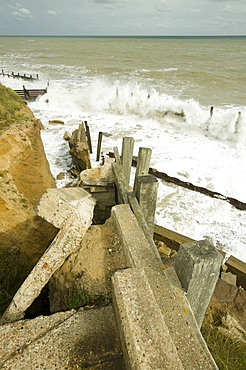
[
  {"x": 229, "y": 353},
  {"x": 76, "y": 298},
  {"x": 10, "y": 104}
]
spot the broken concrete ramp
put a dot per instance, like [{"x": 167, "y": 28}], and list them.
[
  {"x": 56, "y": 205},
  {"x": 84, "y": 339},
  {"x": 72, "y": 210}
]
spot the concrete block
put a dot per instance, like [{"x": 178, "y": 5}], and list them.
[
  {"x": 154, "y": 329},
  {"x": 56, "y": 205},
  {"x": 198, "y": 266},
  {"x": 84, "y": 339},
  {"x": 229, "y": 278},
  {"x": 146, "y": 194},
  {"x": 67, "y": 241},
  {"x": 138, "y": 251}
]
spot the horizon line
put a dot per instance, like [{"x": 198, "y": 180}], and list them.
[{"x": 123, "y": 36}]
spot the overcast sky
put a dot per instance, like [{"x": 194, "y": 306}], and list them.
[{"x": 123, "y": 17}]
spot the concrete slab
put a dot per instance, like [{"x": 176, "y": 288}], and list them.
[
  {"x": 56, "y": 205},
  {"x": 67, "y": 240},
  {"x": 138, "y": 251},
  {"x": 87, "y": 338},
  {"x": 154, "y": 329}
]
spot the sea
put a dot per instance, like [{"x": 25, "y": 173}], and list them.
[{"x": 183, "y": 97}]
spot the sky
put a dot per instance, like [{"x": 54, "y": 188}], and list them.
[{"x": 122, "y": 17}]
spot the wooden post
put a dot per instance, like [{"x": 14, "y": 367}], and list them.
[
  {"x": 88, "y": 135},
  {"x": 126, "y": 158},
  {"x": 139, "y": 216},
  {"x": 26, "y": 93},
  {"x": 99, "y": 144},
  {"x": 198, "y": 266},
  {"x": 144, "y": 156},
  {"x": 116, "y": 154},
  {"x": 146, "y": 193},
  {"x": 120, "y": 183}
]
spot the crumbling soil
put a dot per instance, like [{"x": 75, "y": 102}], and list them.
[
  {"x": 24, "y": 177},
  {"x": 89, "y": 269}
]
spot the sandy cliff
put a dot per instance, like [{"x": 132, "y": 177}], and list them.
[{"x": 24, "y": 176}]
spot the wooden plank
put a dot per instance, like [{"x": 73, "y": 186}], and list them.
[
  {"x": 139, "y": 215},
  {"x": 126, "y": 158},
  {"x": 116, "y": 154},
  {"x": 169, "y": 237},
  {"x": 99, "y": 144},
  {"x": 120, "y": 183},
  {"x": 143, "y": 162},
  {"x": 237, "y": 267}
]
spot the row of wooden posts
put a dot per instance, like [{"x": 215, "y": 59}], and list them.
[
  {"x": 22, "y": 76},
  {"x": 142, "y": 199},
  {"x": 170, "y": 238}
]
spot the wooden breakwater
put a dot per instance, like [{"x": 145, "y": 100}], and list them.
[
  {"x": 18, "y": 75},
  {"x": 30, "y": 94},
  {"x": 173, "y": 239}
]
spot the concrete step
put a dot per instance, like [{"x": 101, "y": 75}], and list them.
[
  {"x": 157, "y": 327},
  {"x": 84, "y": 339},
  {"x": 155, "y": 330}
]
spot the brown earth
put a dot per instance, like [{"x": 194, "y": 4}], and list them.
[{"x": 24, "y": 177}]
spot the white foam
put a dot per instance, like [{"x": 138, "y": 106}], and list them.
[{"x": 187, "y": 143}]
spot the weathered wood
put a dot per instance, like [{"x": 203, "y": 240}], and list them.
[
  {"x": 188, "y": 185},
  {"x": 120, "y": 183},
  {"x": 126, "y": 158},
  {"x": 171, "y": 238},
  {"x": 237, "y": 267},
  {"x": 18, "y": 75},
  {"x": 88, "y": 135},
  {"x": 139, "y": 216},
  {"x": 144, "y": 157},
  {"x": 146, "y": 193},
  {"x": 99, "y": 144},
  {"x": 116, "y": 154},
  {"x": 30, "y": 94}
]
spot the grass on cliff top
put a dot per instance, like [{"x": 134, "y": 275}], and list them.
[
  {"x": 10, "y": 104},
  {"x": 228, "y": 352}
]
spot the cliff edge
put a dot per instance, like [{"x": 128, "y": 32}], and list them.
[{"x": 24, "y": 177}]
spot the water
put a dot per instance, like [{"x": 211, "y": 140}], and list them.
[{"x": 159, "y": 91}]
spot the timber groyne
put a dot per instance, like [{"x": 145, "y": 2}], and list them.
[
  {"x": 24, "y": 93},
  {"x": 18, "y": 75},
  {"x": 30, "y": 94}
]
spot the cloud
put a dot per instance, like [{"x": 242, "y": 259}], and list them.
[
  {"x": 51, "y": 12},
  {"x": 162, "y": 6},
  {"x": 228, "y": 8},
  {"x": 11, "y": 6},
  {"x": 22, "y": 12}
]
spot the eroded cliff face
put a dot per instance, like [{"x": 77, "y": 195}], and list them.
[{"x": 24, "y": 177}]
